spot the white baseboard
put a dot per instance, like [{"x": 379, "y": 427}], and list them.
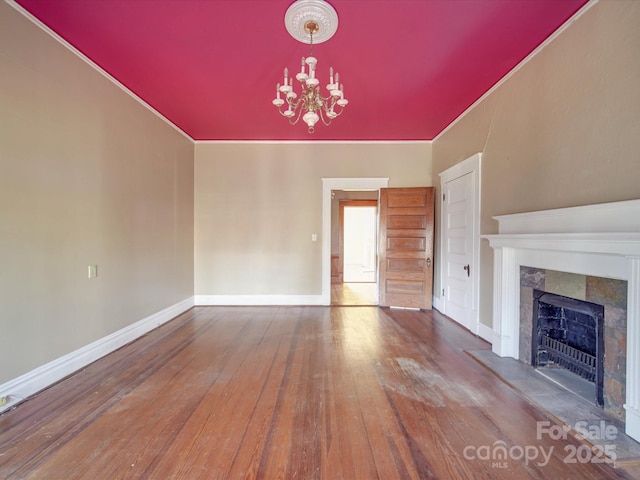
[
  {"x": 258, "y": 300},
  {"x": 438, "y": 304},
  {"x": 31, "y": 382},
  {"x": 485, "y": 332}
]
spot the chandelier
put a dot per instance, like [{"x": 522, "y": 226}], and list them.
[{"x": 304, "y": 19}]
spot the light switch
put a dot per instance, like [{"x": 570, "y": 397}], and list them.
[
  {"x": 314, "y": 237},
  {"x": 93, "y": 271}
]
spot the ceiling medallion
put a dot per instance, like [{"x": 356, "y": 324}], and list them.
[
  {"x": 317, "y": 11},
  {"x": 310, "y": 21}
]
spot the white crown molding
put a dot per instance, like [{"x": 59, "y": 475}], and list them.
[
  {"x": 93, "y": 65},
  {"x": 304, "y": 142},
  {"x": 32, "y": 382},
  {"x": 520, "y": 65}
]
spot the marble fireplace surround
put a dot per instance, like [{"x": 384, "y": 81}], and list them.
[{"x": 601, "y": 240}]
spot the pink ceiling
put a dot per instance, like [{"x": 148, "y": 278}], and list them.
[{"x": 409, "y": 67}]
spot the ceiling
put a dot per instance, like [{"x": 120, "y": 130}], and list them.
[{"x": 409, "y": 67}]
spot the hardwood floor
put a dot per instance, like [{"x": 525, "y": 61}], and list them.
[
  {"x": 354, "y": 294},
  {"x": 287, "y": 393}
]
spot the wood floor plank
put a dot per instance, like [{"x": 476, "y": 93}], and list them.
[{"x": 286, "y": 393}]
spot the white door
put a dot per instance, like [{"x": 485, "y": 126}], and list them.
[{"x": 458, "y": 241}]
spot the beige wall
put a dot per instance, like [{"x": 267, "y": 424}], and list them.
[
  {"x": 87, "y": 176},
  {"x": 257, "y": 205},
  {"x": 564, "y": 130}
]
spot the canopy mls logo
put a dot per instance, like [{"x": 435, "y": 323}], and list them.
[{"x": 499, "y": 453}]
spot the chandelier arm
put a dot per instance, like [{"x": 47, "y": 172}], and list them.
[
  {"x": 282, "y": 113},
  {"x": 321, "y": 114},
  {"x": 296, "y": 108},
  {"x": 325, "y": 108},
  {"x": 338, "y": 112},
  {"x": 337, "y": 108},
  {"x": 328, "y": 105}
]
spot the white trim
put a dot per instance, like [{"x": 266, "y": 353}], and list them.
[
  {"x": 93, "y": 65},
  {"x": 438, "y": 303},
  {"x": 316, "y": 142},
  {"x": 473, "y": 166},
  {"x": 486, "y": 333},
  {"x": 31, "y": 382},
  {"x": 621, "y": 216},
  {"x": 257, "y": 300},
  {"x": 520, "y": 65},
  {"x": 632, "y": 405},
  {"x": 329, "y": 184}
]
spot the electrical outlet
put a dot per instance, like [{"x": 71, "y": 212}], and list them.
[{"x": 93, "y": 271}]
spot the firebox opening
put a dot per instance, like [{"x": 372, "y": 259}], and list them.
[{"x": 568, "y": 343}]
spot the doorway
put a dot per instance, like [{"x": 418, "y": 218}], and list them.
[
  {"x": 354, "y": 248},
  {"x": 331, "y": 187},
  {"x": 355, "y": 282}
]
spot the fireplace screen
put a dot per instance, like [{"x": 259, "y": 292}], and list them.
[{"x": 569, "y": 333}]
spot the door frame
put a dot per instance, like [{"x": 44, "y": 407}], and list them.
[
  {"x": 471, "y": 165},
  {"x": 329, "y": 184}
]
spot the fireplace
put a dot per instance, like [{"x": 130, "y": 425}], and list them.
[
  {"x": 568, "y": 333},
  {"x": 598, "y": 243}
]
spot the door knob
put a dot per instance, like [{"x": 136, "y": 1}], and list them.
[
  {"x": 428, "y": 262},
  {"x": 468, "y": 269}
]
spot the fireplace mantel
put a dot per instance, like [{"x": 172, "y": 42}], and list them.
[{"x": 600, "y": 240}]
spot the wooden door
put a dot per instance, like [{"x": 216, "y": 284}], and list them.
[{"x": 406, "y": 247}]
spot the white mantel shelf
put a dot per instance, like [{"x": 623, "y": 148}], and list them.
[
  {"x": 600, "y": 240},
  {"x": 610, "y": 243}
]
